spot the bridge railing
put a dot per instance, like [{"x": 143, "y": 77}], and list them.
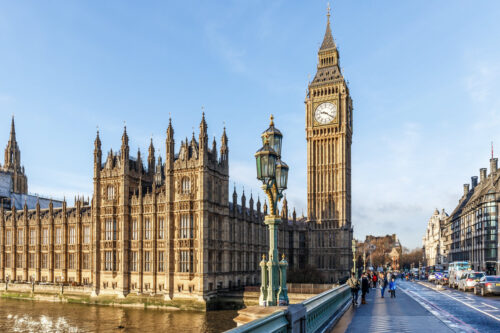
[
  {"x": 322, "y": 308},
  {"x": 274, "y": 323},
  {"x": 312, "y": 315}
]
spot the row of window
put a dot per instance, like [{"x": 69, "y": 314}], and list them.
[
  {"x": 44, "y": 260},
  {"x": 45, "y": 236},
  {"x": 148, "y": 229},
  {"x": 147, "y": 261}
]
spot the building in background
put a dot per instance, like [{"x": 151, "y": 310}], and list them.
[
  {"x": 381, "y": 252},
  {"x": 13, "y": 180},
  {"x": 472, "y": 227},
  {"x": 433, "y": 241}
]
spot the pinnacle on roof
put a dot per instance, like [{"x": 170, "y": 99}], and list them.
[
  {"x": 12, "y": 130},
  {"x": 125, "y": 136},
  {"x": 151, "y": 147},
  {"x": 328, "y": 42},
  {"x": 97, "y": 141}
]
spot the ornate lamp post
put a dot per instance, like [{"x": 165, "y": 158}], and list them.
[{"x": 273, "y": 173}]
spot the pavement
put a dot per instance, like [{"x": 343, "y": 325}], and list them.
[
  {"x": 400, "y": 314},
  {"x": 420, "y": 307}
]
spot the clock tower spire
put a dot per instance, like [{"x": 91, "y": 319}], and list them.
[{"x": 329, "y": 138}]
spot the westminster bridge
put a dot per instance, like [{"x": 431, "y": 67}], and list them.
[{"x": 418, "y": 306}]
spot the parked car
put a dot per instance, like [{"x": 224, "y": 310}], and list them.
[
  {"x": 489, "y": 284},
  {"x": 444, "y": 279},
  {"x": 432, "y": 277},
  {"x": 438, "y": 276},
  {"x": 468, "y": 280}
]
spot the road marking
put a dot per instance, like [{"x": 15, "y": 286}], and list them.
[
  {"x": 470, "y": 306},
  {"x": 447, "y": 318},
  {"x": 490, "y": 306}
]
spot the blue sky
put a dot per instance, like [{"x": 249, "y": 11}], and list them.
[{"x": 424, "y": 77}]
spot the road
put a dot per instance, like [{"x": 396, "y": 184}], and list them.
[
  {"x": 420, "y": 307},
  {"x": 462, "y": 312}
]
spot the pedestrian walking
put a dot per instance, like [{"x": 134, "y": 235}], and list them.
[
  {"x": 353, "y": 283},
  {"x": 392, "y": 287},
  {"x": 383, "y": 284},
  {"x": 375, "y": 280},
  {"x": 365, "y": 287}
]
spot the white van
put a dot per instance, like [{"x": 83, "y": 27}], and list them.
[{"x": 456, "y": 269}]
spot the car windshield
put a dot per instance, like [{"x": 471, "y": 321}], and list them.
[
  {"x": 476, "y": 275},
  {"x": 493, "y": 278}
]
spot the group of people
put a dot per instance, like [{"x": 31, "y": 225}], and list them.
[{"x": 371, "y": 280}]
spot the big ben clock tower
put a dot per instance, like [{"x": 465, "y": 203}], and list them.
[{"x": 329, "y": 138}]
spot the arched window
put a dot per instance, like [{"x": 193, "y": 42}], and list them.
[
  {"x": 111, "y": 192},
  {"x": 186, "y": 185}
]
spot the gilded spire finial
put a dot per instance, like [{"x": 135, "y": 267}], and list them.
[
  {"x": 328, "y": 10},
  {"x": 283, "y": 257},
  {"x": 272, "y": 120}
]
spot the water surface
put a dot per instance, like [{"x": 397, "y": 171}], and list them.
[{"x": 31, "y": 316}]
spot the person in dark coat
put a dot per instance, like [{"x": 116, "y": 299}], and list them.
[
  {"x": 383, "y": 283},
  {"x": 365, "y": 287}
]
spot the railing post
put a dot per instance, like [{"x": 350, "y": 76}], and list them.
[
  {"x": 296, "y": 317},
  {"x": 263, "y": 282}
]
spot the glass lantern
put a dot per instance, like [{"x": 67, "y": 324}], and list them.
[
  {"x": 281, "y": 175},
  {"x": 265, "y": 159},
  {"x": 274, "y": 136}
]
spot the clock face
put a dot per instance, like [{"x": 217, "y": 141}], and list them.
[{"x": 325, "y": 113}]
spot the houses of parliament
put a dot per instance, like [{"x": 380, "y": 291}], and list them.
[{"x": 172, "y": 227}]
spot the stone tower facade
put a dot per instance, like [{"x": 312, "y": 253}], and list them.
[
  {"x": 12, "y": 163},
  {"x": 329, "y": 137}
]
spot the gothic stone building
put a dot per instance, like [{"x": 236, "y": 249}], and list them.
[{"x": 165, "y": 228}]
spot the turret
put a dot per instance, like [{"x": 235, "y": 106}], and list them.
[
  {"x": 258, "y": 206},
  {"x": 214, "y": 149},
  {"x": 224, "y": 151},
  {"x": 243, "y": 202},
  {"x": 125, "y": 149},
  {"x": 284, "y": 209},
  {"x": 235, "y": 199},
  {"x": 151, "y": 158},
  {"x": 203, "y": 134},
  {"x": 139, "y": 161},
  {"x": 97, "y": 155},
  {"x": 159, "y": 173},
  {"x": 170, "y": 145},
  {"x": 328, "y": 54},
  {"x": 12, "y": 154},
  {"x": 250, "y": 204}
]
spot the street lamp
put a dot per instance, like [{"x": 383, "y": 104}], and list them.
[{"x": 273, "y": 173}]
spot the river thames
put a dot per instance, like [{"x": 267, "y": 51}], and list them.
[{"x": 31, "y": 316}]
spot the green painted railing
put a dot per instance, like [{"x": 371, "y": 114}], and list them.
[
  {"x": 321, "y": 308},
  {"x": 274, "y": 323},
  {"x": 310, "y": 316}
]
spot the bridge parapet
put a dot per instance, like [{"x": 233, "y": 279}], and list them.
[{"x": 313, "y": 315}]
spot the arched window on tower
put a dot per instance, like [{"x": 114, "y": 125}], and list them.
[
  {"x": 186, "y": 185},
  {"x": 111, "y": 192}
]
